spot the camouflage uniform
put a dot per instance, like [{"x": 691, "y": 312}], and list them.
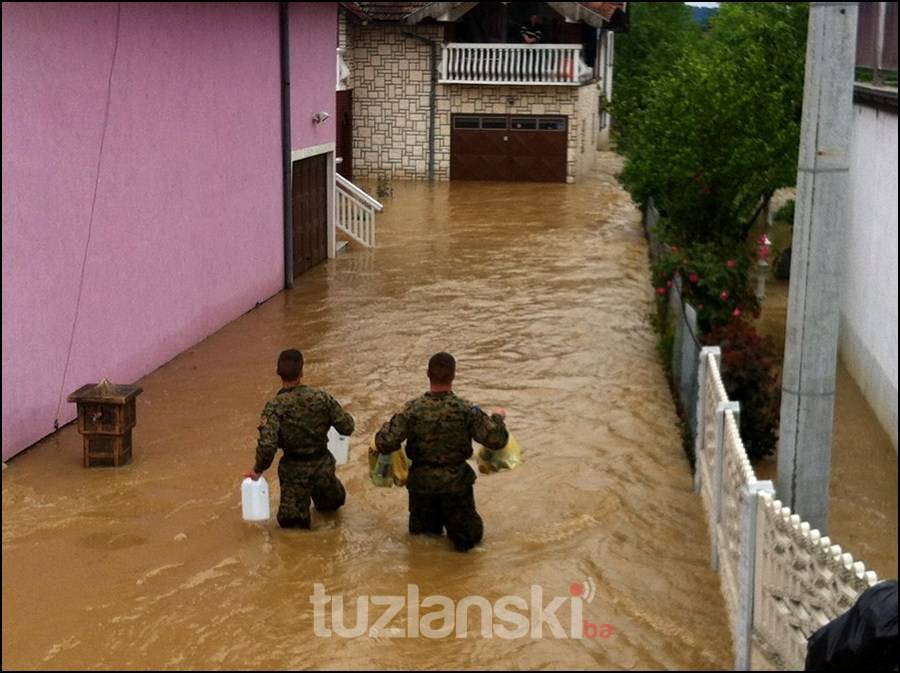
[
  {"x": 297, "y": 421},
  {"x": 439, "y": 429}
]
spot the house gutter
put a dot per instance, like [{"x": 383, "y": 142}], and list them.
[
  {"x": 284, "y": 50},
  {"x": 432, "y": 100}
]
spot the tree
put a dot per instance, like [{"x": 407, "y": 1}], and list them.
[
  {"x": 719, "y": 129},
  {"x": 659, "y": 34}
]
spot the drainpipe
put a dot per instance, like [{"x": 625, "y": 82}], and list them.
[
  {"x": 432, "y": 99},
  {"x": 284, "y": 48}
]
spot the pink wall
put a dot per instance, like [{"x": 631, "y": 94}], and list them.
[
  {"x": 187, "y": 230},
  {"x": 313, "y": 29}
]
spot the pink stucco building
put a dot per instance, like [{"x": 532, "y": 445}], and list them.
[{"x": 143, "y": 183}]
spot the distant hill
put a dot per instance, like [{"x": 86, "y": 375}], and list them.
[{"x": 702, "y": 15}]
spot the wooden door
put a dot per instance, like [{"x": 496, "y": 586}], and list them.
[
  {"x": 344, "y": 133},
  {"x": 310, "y": 212}
]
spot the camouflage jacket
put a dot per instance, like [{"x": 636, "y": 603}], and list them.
[
  {"x": 296, "y": 420},
  {"x": 439, "y": 429}
]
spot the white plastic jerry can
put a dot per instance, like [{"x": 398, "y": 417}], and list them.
[
  {"x": 339, "y": 445},
  {"x": 255, "y": 499}
]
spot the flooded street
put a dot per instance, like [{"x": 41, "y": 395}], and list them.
[
  {"x": 863, "y": 514},
  {"x": 541, "y": 292}
]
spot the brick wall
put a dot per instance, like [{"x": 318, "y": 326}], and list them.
[{"x": 391, "y": 74}]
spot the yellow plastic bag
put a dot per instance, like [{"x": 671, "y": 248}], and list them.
[
  {"x": 394, "y": 473},
  {"x": 507, "y": 458}
]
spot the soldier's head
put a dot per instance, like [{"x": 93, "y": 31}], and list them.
[
  {"x": 441, "y": 370},
  {"x": 290, "y": 365}
]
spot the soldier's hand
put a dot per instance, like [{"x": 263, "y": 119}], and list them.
[
  {"x": 501, "y": 412},
  {"x": 252, "y": 475}
]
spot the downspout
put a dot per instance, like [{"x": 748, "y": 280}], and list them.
[
  {"x": 432, "y": 100},
  {"x": 287, "y": 187}
]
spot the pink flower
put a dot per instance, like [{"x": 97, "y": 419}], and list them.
[
  {"x": 724, "y": 295},
  {"x": 700, "y": 307},
  {"x": 660, "y": 290},
  {"x": 736, "y": 313},
  {"x": 731, "y": 264},
  {"x": 674, "y": 248},
  {"x": 693, "y": 277},
  {"x": 669, "y": 284}
]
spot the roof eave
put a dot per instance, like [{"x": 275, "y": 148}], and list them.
[{"x": 440, "y": 11}]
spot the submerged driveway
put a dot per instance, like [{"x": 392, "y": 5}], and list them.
[{"x": 541, "y": 292}]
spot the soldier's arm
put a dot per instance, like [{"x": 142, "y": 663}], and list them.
[
  {"x": 489, "y": 431},
  {"x": 392, "y": 433},
  {"x": 340, "y": 419},
  {"x": 267, "y": 445}
]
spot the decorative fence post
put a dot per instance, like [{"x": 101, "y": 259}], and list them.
[
  {"x": 718, "y": 463},
  {"x": 679, "y": 329},
  {"x": 699, "y": 439},
  {"x": 747, "y": 573},
  {"x": 689, "y": 351}
]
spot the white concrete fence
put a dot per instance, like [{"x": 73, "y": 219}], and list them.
[{"x": 781, "y": 580}]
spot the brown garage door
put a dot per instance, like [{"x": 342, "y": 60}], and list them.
[{"x": 497, "y": 147}]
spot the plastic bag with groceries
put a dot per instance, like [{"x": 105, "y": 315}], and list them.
[{"x": 388, "y": 469}]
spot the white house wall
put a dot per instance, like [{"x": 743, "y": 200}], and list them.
[{"x": 868, "y": 340}]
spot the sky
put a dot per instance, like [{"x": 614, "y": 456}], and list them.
[{"x": 702, "y": 4}]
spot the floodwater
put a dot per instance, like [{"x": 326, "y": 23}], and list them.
[
  {"x": 863, "y": 511},
  {"x": 541, "y": 291}
]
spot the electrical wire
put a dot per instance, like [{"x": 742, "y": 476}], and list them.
[{"x": 87, "y": 242}]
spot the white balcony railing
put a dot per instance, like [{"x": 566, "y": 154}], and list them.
[{"x": 465, "y": 63}]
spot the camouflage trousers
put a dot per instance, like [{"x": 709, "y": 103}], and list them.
[
  {"x": 304, "y": 481},
  {"x": 432, "y": 512}
]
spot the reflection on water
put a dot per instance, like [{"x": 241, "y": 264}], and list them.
[{"x": 541, "y": 291}]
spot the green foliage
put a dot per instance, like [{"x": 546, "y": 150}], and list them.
[
  {"x": 749, "y": 374},
  {"x": 659, "y": 34},
  {"x": 717, "y": 129},
  {"x": 713, "y": 281},
  {"x": 786, "y": 213}
]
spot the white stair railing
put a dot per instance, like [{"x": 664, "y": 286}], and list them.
[{"x": 355, "y": 211}]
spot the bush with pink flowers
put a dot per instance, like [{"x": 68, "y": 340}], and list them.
[{"x": 716, "y": 284}]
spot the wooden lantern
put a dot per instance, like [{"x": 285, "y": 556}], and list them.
[{"x": 106, "y": 415}]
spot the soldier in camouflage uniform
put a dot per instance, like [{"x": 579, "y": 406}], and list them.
[
  {"x": 297, "y": 421},
  {"x": 439, "y": 428}
]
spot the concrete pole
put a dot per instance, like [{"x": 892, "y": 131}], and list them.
[{"x": 810, "y": 358}]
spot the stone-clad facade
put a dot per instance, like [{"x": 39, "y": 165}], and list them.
[{"x": 391, "y": 75}]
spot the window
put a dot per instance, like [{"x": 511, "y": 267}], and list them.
[
  {"x": 523, "y": 124},
  {"x": 465, "y": 123},
  {"x": 493, "y": 122},
  {"x": 552, "y": 124}
]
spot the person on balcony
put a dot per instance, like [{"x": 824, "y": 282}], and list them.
[{"x": 531, "y": 32}]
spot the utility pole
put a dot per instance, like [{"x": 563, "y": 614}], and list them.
[{"x": 810, "y": 358}]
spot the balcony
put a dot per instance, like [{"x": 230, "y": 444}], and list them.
[{"x": 520, "y": 64}]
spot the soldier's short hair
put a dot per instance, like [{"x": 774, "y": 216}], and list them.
[
  {"x": 441, "y": 368},
  {"x": 290, "y": 364}
]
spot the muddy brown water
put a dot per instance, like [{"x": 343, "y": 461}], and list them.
[
  {"x": 542, "y": 293},
  {"x": 863, "y": 509}
]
